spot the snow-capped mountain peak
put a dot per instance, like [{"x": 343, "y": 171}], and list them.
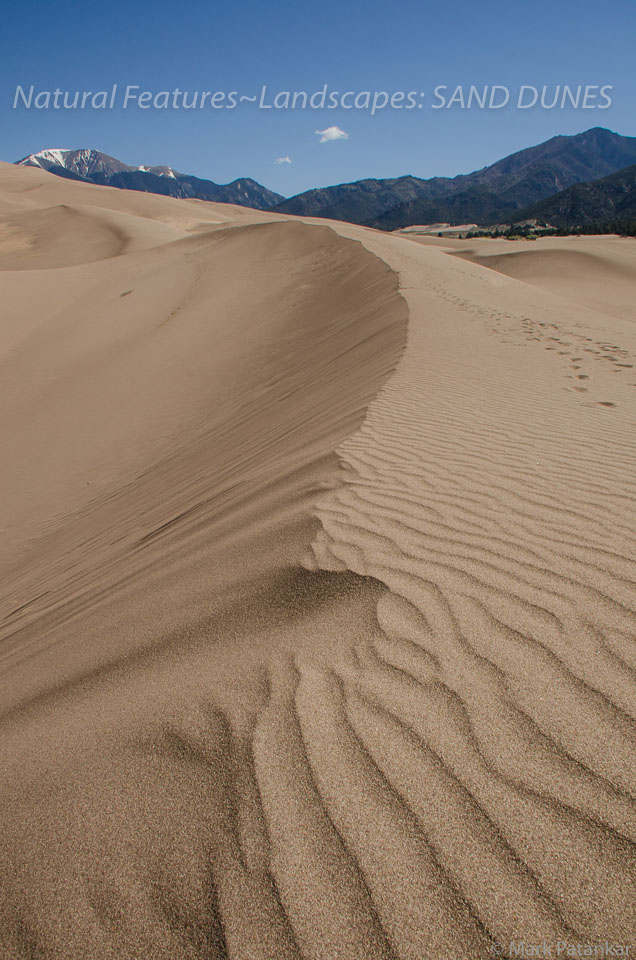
[
  {"x": 53, "y": 155},
  {"x": 100, "y": 168},
  {"x": 160, "y": 171},
  {"x": 87, "y": 162}
]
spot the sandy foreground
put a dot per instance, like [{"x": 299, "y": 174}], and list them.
[{"x": 316, "y": 585}]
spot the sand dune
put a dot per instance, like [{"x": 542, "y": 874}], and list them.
[
  {"x": 595, "y": 272},
  {"x": 316, "y": 589},
  {"x": 64, "y": 236}
]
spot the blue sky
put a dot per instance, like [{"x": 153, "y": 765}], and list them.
[{"x": 378, "y": 46}]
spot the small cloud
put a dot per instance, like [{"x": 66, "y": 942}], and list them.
[
  {"x": 332, "y": 133},
  {"x": 283, "y": 160}
]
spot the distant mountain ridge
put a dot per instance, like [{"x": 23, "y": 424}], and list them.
[
  {"x": 363, "y": 201},
  {"x": 517, "y": 187},
  {"x": 489, "y": 195},
  {"x": 93, "y": 166},
  {"x": 607, "y": 199}
]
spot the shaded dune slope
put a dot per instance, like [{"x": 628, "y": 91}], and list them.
[
  {"x": 314, "y": 645},
  {"x": 168, "y": 429}
]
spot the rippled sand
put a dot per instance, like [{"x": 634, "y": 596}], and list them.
[{"x": 317, "y": 587}]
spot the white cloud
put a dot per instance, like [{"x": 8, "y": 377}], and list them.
[
  {"x": 283, "y": 160},
  {"x": 332, "y": 133}
]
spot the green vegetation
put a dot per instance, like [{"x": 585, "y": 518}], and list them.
[{"x": 623, "y": 228}]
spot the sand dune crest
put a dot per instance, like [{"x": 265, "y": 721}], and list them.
[{"x": 316, "y": 625}]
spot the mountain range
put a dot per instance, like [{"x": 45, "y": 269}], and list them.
[
  {"x": 490, "y": 195},
  {"x": 96, "y": 167},
  {"x": 608, "y": 199},
  {"x": 566, "y": 181}
]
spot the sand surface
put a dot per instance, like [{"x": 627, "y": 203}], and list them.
[
  {"x": 316, "y": 585},
  {"x": 595, "y": 272}
]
